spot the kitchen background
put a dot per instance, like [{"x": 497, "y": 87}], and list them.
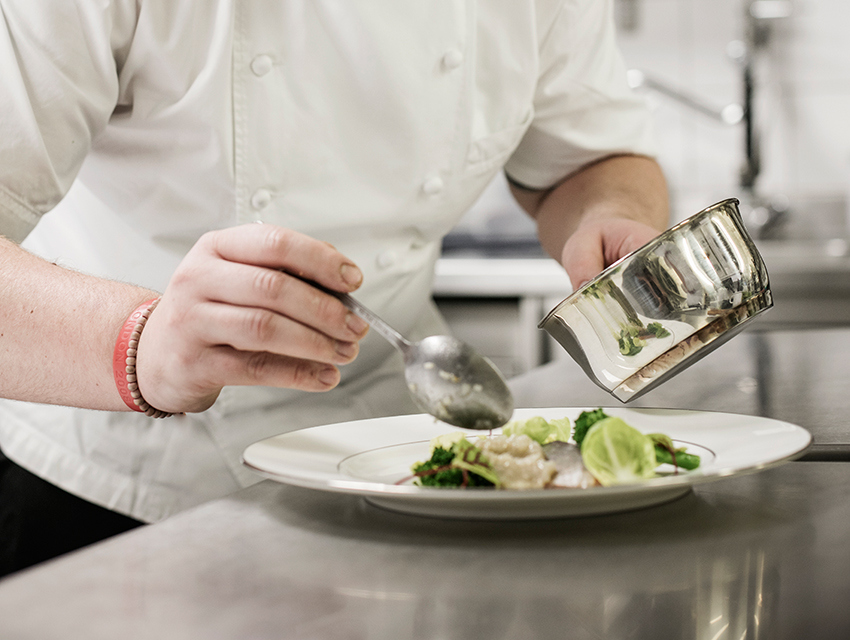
[{"x": 696, "y": 61}]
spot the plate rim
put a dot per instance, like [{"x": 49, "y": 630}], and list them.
[{"x": 409, "y": 493}]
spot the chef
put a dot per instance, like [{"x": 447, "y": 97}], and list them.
[{"x": 142, "y": 140}]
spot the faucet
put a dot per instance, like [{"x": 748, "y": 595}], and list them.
[
  {"x": 763, "y": 216},
  {"x": 730, "y": 114}
]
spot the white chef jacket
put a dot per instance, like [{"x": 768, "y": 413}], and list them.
[{"x": 141, "y": 124}]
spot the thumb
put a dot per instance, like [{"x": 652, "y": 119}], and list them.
[{"x": 583, "y": 258}]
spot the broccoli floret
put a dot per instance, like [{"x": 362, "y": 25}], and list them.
[
  {"x": 448, "y": 477},
  {"x": 441, "y": 457},
  {"x": 585, "y": 420},
  {"x": 439, "y": 471}
]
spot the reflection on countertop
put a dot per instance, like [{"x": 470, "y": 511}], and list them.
[{"x": 761, "y": 556}]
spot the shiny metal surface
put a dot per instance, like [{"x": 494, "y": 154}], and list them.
[
  {"x": 452, "y": 382},
  {"x": 762, "y": 556},
  {"x": 661, "y": 308}
]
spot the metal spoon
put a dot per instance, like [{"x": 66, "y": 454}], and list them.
[{"x": 445, "y": 376}]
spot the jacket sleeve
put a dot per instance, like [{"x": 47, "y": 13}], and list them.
[
  {"x": 58, "y": 87},
  {"x": 584, "y": 109}
]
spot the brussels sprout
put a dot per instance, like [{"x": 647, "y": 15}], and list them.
[
  {"x": 616, "y": 453},
  {"x": 539, "y": 429}
]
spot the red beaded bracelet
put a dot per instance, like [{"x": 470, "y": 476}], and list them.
[{"x": 124, "y": 360}]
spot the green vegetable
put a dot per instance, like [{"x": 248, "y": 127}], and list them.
[
  {"x": 460, "y": 464},
  {"x": 539, "y": 429},
  {"x": 665, "y": 452},
  {"x": 658, "y": 330},
  {"x": 616, "y": 453},
  {"x": 437, "y": 471},
  {"x": 470, "y": 458},
  {"x": 585, "y": 420}
]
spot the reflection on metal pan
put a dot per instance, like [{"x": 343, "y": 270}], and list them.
[{"x": 666, "y": 305}]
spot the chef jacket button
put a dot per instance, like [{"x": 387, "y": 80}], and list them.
[
  {"x": 432, "y": 186},
  {"x": 262, "y": 64},
  {"x": 261, "y": 199},
  {"x": 452, "y": 59},
  {"x": 386, "y": 259}
]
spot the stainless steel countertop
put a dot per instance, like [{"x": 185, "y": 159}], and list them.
[
  {"x": 762, "y": 556},
  {"x": 477, "y": 276},
  {"x": 758, "y": 556}
]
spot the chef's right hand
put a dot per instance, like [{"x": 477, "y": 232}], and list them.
[{"x": 232, "y": 315}]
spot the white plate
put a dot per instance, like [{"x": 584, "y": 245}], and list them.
[{"x": 368, "y": 458}]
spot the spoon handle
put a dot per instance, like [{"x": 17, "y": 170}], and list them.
[{"x": 391, "y": 335}]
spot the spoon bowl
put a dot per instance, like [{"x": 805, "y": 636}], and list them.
[
  {"x": 450, "y": 380},
  {"x": 446, "y": 377}
]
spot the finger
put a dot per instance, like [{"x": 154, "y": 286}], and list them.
[
  {"x": 597, "y": 245},
  {"x": 279, "y": 248},
  {"x": 261, "y": 287},
  {"x": 631, "y": 237},
  {"x": 260, "y": 330},
  {"x": 245, "y": 368}
]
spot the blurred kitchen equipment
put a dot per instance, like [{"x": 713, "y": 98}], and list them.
[
  {"x": 663, "y": 307},
  {"x": 730, "y": 114},
  {"x": 446, "y": 377}
]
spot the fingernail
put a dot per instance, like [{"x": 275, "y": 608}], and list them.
[
  {"x": 328, "y": 376},
  {"x": 346, "y": 349},
  {"x": 355, "y": 324},
  {"x": 351, "y": 274}
]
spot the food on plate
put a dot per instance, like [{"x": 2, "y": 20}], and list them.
[
  {"x": 585, "y": 420},
  {"x": 518, "y": 461},
  {"x": 455, "y": 462},
  {"x": 665, "y": 452},
  {"x": 571, "y": 471},
  {"x": 617, "y": 453},
  {"x": 537, "y": 453},
  {"x": 539, "y": 429}
]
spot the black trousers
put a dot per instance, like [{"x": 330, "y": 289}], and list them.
[{"x": 39, "y": 521}]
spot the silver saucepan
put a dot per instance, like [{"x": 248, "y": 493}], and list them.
[{"x": 663, "y": 307}]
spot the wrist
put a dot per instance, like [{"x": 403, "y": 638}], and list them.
[{"x": 124, "y": 360}]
